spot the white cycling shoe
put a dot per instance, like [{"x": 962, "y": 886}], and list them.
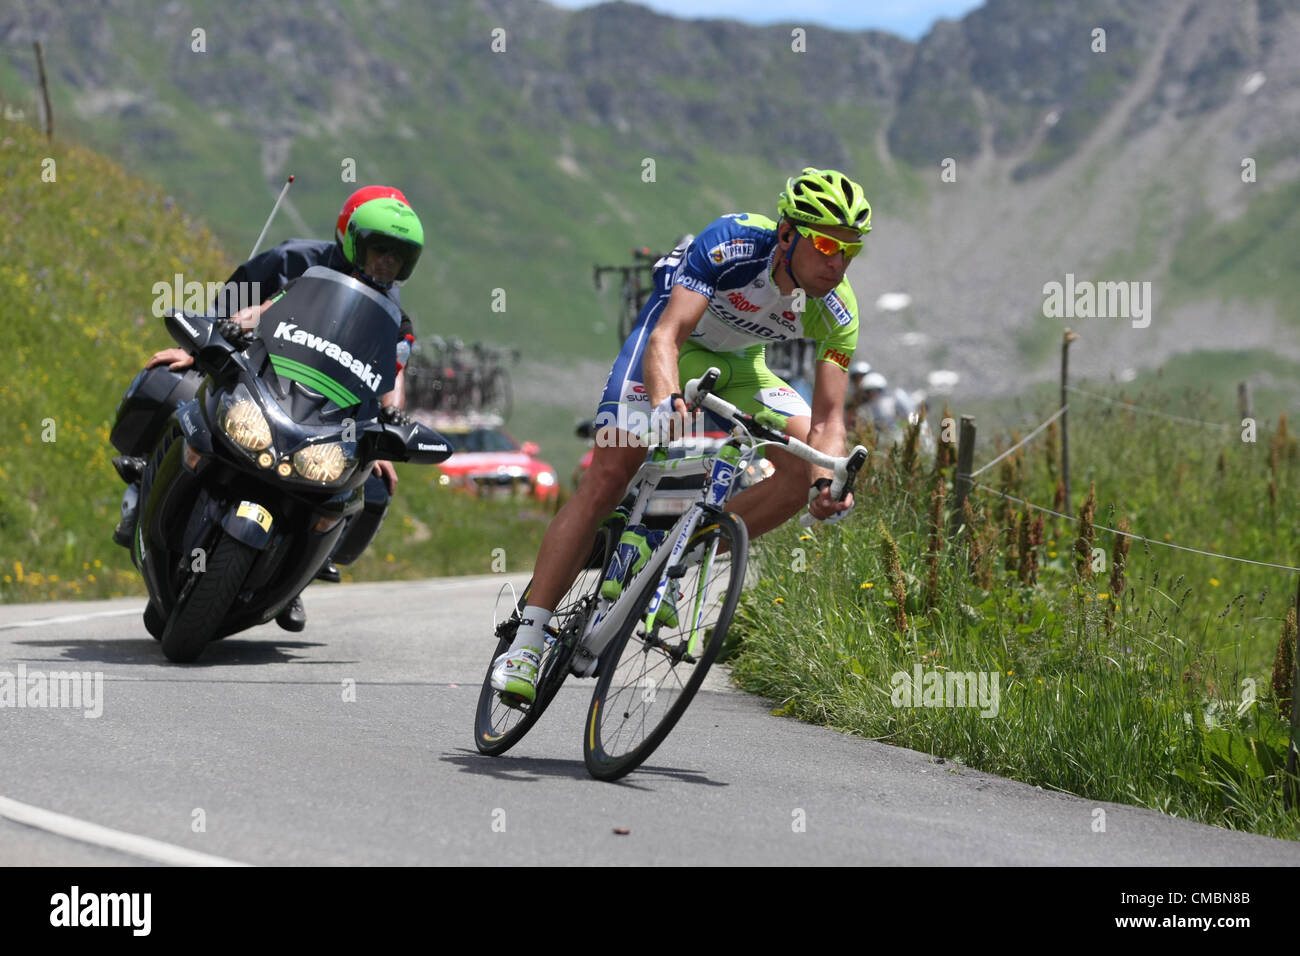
[{"x": 514, "y": 674}]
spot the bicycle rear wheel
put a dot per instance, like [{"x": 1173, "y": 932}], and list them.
[
  {"x": 647, "y": 678},
  {"x": 499, "y": 726}
]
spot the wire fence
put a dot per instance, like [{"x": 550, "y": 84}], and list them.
[
  {"x": 1024, "y": 441},
  {"x": 1136, "y": 537},
  {"x": 1147, "y": 411},
  {"x": 1128, "y": 534}
]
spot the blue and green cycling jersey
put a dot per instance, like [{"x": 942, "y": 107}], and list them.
[{"x": 731, "y": 264}]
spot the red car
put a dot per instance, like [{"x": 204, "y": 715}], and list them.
[{"x": 489, "y": 461}]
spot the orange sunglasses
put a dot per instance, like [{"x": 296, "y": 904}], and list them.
[{"x": 829, "y": 245}]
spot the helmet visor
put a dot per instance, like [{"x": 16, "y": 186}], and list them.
[{"x": 384, "y": 245}]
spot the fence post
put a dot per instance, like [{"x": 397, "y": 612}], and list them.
[
  {"x": 45, "y": 90},
  {"x": 1065, "y": 424},
  {"x": 1243, "y": 399},
  {"x": 961, "y": 478},
  {"x": 1293, "y": 739}
]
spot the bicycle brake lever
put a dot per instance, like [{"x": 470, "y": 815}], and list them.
[
  {"x": 696, "y": 389},
  {"x": 857, "y": 458}
]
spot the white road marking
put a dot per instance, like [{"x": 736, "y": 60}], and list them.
[
  {"x": 93, "y": 833},
  {"x": 70, "y": 618}
]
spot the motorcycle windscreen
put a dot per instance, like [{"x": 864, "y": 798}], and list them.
[{"x": 335, "y": 335}]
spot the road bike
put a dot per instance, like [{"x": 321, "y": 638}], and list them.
[{"x": 650, "y": 648}]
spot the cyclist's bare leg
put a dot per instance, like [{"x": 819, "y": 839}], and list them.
[
  {"x": 778, "y": 498},
  {"x": 567, "y": 542}
]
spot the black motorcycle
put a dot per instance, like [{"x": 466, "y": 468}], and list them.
[{"x": 262, "y": 456}]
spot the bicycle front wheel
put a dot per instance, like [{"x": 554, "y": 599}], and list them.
[
  {"x": 648, "y": 675},
  {"x": 499, "y": 726}
]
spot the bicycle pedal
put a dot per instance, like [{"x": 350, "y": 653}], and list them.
[{"x": 513, "y": 701}]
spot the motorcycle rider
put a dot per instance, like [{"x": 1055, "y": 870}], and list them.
[{"x": 378, "y": 240}]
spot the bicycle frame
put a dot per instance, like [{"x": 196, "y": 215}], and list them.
[{"x": 723, "y": 468}]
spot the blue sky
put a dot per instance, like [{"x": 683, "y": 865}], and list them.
[{"x": 908, "y": 18}]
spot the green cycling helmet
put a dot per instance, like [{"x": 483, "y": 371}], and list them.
[
  {"x": 825, "y": 197},
  {"x": 383, "y": 223}
]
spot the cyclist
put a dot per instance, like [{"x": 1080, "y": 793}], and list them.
[
  {"x": 744, "y": 281},
  {"x": 378, "y": 239}
]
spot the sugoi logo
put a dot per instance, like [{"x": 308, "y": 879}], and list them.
[
  {"x": 291, "y": 333},
  {"x": 741, "y": 303}
]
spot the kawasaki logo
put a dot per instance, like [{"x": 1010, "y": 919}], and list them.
[
  {"x": 291, "y": 333},
  {"x": 424, "y": 447}
]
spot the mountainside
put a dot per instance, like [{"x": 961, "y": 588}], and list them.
[{"x": 1025, "y": 143}]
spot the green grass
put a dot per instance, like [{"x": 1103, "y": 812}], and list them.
[{"x": 1155, "y": 710}]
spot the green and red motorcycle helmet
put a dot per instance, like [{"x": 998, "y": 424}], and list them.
[
  {"x": 383, "y": 223},
  {"x": 364, "y": 194}
]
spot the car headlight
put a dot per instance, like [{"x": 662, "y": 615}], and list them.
[
  {"x": 244, "y": 422},
  {"x": 323, "y": 462},
  {"x": 546, "y": 479}
]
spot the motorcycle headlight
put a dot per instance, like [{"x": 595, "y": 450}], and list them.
[
  {"x": 323, "y": 462},
  {"x": 244, "y": 422}
]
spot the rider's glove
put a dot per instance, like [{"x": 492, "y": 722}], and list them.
[
  {"x": 392, "y": 415},
  {"x": 815, "y": 492},
  {"x": 661, "y": 419},
  {"x": 234, "y": 333}
]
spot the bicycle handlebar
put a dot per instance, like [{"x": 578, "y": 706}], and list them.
[{"x": 698, "y": 394}]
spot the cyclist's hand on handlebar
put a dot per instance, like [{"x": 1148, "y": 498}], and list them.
[
  {"x": 668, "y": 419},
  {"x": 825, "y": 508}
]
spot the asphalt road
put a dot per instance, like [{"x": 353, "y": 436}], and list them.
[{"x": 258, "y": 755}]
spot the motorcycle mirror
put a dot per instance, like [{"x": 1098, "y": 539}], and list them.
[
  {"x": 424, "y": 446},
  {"x": 416, "y": 443},
  {"x": 198, "y": 334},
  {"x": 191, "y": 332}
]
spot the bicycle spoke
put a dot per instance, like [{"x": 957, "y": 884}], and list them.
[{"x": 651, "y": 680}]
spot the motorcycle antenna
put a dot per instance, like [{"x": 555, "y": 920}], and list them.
[{"x": 262, "y": 235}]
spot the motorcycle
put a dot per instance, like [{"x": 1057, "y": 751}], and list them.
[{"x": 255, "y": 460}]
